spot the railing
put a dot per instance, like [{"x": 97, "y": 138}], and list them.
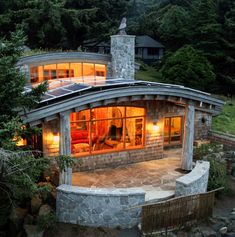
[{"x": 176, "y": 213}]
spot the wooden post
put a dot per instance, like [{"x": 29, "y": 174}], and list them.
[
  {"x": 65, "y": 145},
  {"x": 187, "y": 153}
]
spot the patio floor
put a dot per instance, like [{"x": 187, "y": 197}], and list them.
[{"x": 156, "y": 177}]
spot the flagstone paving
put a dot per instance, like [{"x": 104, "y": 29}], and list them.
[{"x": 152, "y": 176}]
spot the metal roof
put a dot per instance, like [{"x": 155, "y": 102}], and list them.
[{"x": 72, "y": 96}]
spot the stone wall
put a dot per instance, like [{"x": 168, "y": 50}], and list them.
[
  {"x": 194, "y": 182},
  {"x": 202, "y": 125},
  {"x": 99, "y": 207},
  {"x": 227, "y": 140},
  {"x": 123, "y": 56}
]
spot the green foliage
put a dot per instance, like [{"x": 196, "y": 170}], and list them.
[
  {"x": 62, "y": 23},
  {"x": 188, "y": 67},
  {"x": 12, "y": 81},
  {"x": 46, "y": 221},
  {"x": 65, "y": 162},
  {"x": 217, "y": 173},
  {"x": 225, "y": 121},
  {"x": 19, "y": 174}
]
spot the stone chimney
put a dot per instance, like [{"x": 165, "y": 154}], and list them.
[{"x": 123, "y": 56}]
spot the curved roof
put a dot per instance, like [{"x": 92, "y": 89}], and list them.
[
  {"x": 131, "y": 90},
  {"x": 64, "y": 57}
]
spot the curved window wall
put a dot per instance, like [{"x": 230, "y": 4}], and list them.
[
  {"x": 77, "y": 72},
  {"x": 107, "y": 129}
]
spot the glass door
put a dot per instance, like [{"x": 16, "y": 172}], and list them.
[{"x": 173, "y": 130}]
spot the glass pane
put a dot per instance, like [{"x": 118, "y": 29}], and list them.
[
  {"x": 134, "y": 111},
  {"x": 49, "y": 72},
  {"x": 80, "y": 137},
  {"x": 76, "y": 69},
  {"x": 63, "y": 70},
  {"x": 83, "y": 115},
  {"x": 176, "y": 129},
  {"x": 34, "y": 74},
  {"x": 166, "y": 130},
  {"x": 89, "y": 70},
  {"x": 107, "y": 135},
  {"x": 108, "y": 112},
  {"x": 100, "y": 71},
  {"x": 134, "y": 132}
]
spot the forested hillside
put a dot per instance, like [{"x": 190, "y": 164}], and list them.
[{"x": 199, "y": 35}]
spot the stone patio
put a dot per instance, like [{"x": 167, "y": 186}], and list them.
[{"x": 156, "y": 177}]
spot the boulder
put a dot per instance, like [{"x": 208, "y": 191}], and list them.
[
  {"x": 28, "y": 220},
  {"x": 33, "y": 231},
  {"x": 223, "y": 230},
  {"x": 207, "y": 231},
  {"x": 36, "y": 203},
  {"x": 45, "y": 210}
]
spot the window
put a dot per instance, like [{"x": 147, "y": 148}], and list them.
[
  {"x": 153, "y": 51},
  {"x": 173, "y": 130},
  {"x": 78, "y": 72},
  {"x": 107, "y": 129}
]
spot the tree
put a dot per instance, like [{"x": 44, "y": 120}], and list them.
[
  {"x": 12, "y": 81},
  {"x": 188, "y": 67}
]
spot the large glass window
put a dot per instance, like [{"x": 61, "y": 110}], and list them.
[
  {"x": 106, "y": 129},
  {"x": 77, "y": 72},
  {"x": 173, "y": 130}
]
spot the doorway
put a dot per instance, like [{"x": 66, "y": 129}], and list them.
[{"x": 173, "y": 130}]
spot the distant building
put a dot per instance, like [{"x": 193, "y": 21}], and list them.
[{"x": 146, "y": 48}]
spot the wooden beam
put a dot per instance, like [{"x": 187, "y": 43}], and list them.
[
  {"x": 35, "y": 123},
  {"x": 187, "y": 154},
  {"x": 65, "y": 145},
  {"x": 55, "y": 116}
]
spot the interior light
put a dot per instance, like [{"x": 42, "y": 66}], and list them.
[{"x": 56, "y": 138}]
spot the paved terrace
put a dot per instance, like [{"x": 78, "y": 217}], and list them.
[{"x": 156, "y": 177}]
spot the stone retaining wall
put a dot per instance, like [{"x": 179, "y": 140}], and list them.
[
  {"x": 99, "y": 207},
  {"x": 226, "y": 139},
  {"x": 194, "y": 182}
]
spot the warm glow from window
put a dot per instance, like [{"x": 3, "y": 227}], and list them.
[
  {"x": 77, "y": 72},
  {"x": 107, "y": 128},
  {"x": 56, "y": 138}
]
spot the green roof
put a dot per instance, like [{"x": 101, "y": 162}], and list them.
[{"x": 144, "y": 41}]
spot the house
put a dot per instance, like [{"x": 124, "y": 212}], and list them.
[
  {"x": 146, "y": 48},
  {"x": 95, "y": 111}
]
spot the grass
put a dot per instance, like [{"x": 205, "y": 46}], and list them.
[
  {"x": 147, "y": 73},
  {"x": 225, "y": 121}
]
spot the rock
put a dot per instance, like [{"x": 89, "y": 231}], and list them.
[
  {"x": 28, "y": 220},
  {"x": 182, "y": 234},
  {"x": 36, "y": 203},
  {"x": 223, "y": 230},
  {"x": 45, "y": 210},
  {"x": 33, "y": 231},
  {"x": 207, "y": 231},
  {"x": 233, "y": 210},
  {"x": 232, "y": 234},
  {"x": 17, "y": 217},
  {"x": 232, "y": 215}
]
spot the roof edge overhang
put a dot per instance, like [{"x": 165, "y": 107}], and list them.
[
  {"x": 65, "y": 57},
  {"x": 105, "y": 96}
]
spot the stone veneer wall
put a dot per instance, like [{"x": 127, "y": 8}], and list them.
[
  {"x": 123, "y": 56},
  {"x": 194, "y": 182},
  {"x": 202, "y": 125},
  {"x": 99, "y": 207}
]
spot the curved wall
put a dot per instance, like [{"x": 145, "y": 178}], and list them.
[
  {"x": 194, "y": 182},
  {"x": 99, "y": 207}
]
